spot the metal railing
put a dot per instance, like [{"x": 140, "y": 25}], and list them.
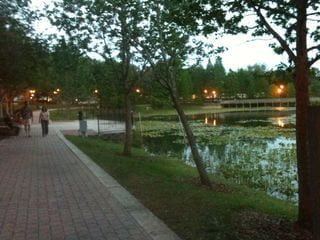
[{"x": 110, "y": 121}]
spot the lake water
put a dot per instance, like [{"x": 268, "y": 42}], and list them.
[{"x": 253, "y": 148}]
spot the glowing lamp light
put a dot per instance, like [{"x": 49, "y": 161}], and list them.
[
  {"x": 138, "y": 90},
  {"x": 205, "y": 91},
  {"x": 214, "y": 94}
]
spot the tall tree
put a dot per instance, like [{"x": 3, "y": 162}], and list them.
[
  {"x": 20, "y": 57},
  {"x": 165, "y": 46},
  {"x": 218, "y": 74},
  {"x": 185, "y": 85},
  {"x": 106, "y": 28},
  {"x": 290, "y": 23}
]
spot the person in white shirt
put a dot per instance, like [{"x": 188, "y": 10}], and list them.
[{"x": 44, "y": 120}]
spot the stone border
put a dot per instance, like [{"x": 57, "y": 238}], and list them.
[{"x": 156, "y": 228}]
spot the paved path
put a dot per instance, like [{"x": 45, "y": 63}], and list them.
[{"x": 50, "y": 190}]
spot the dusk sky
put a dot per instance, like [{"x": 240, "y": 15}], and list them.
[{"x": 243, "y": 50}]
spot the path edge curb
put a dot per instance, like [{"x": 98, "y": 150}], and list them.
[{"x": 155, "y": 227}]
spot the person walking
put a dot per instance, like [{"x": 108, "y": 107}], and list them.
[
  {"x": 27, "y": 118},
  {"x": 44, "y": 120}
]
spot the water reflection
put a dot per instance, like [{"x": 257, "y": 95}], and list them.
[
  {"x": 210, "y": 121},
  {"x": 267, "y": 163},
  {"x": 280, "y": 122}
]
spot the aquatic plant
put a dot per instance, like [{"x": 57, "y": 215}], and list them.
[{"x": 262, "y": 157}]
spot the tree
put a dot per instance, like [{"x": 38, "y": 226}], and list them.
[
  {"x": 218, "y": 74},
  {"x": 20, "y": 57},
  {"x": 106, "y": 28},
  {"x": 286, "y": 22},
  {"x": 199, "y": 78},
  {"x": 231, "y": 86},
  {"x": 165, "y": 46},
  {"x": 184, "y": 84}
]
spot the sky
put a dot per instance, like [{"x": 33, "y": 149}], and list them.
[{"x": 243, "y": 50}]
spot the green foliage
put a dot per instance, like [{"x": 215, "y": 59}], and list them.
[
  {"x": 21, "y": 57},
  {"x": 217, "y": 75},
  {"x": 185, "y": 85}
]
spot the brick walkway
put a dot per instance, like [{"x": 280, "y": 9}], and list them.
[{"x": 46, "y": 192}]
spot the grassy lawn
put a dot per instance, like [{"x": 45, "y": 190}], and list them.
[{"x": 171, "y": 190}]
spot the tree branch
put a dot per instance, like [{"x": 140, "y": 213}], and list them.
[
  {"x": 314, "y": 48},
  {"x": 313, "y": 13},
  {"x": 146, "y": 53},
  {"x": 276, "y": 35},
  {"x": 314, "y": 60}
]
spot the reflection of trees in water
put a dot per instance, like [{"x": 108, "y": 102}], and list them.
[
  {"x": 164, "y": 145},
  {"x": 243, "y": 154},
  {"x": 263, "y": 166}
]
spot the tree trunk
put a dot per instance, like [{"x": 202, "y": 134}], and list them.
[
  {"x": 302, "y": 103},
  {"x": 191, "y": 140},
  {"x": 128, "y": 123},
  {"x": 1, "y": 108},
  {"x": 314, "y": 156}
]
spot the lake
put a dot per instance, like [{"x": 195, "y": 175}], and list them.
[{"x": 253, "y": 148}]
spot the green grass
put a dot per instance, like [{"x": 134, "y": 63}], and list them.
[{"x": 171, "y": 190}]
